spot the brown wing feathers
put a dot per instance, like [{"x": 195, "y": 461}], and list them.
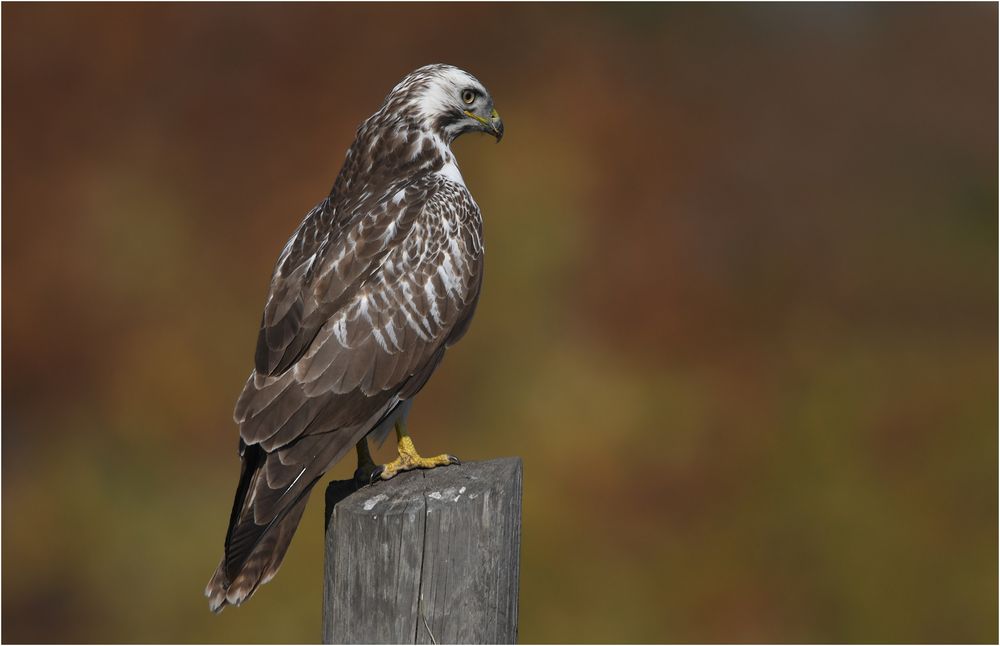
[{"x": 355, "y": 322}]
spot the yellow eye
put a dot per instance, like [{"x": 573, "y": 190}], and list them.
[{"x": 468, "y": 96}]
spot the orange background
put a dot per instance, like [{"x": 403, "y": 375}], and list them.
[{"x": 739, "y": 315}]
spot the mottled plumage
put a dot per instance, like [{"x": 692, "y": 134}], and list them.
[{"x": 378, "y": 280}]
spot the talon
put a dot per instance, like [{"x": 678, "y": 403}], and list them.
[
  {"x": 409, "y": 458},
  {"x": 367, "y": 472}
]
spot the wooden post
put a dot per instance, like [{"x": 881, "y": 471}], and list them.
[{"x": 429, "y": 557}]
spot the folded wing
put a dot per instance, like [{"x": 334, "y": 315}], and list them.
[{"x": 355, "y": 322}]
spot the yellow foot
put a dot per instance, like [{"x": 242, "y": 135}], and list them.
[{"x": 409, "y": 459}]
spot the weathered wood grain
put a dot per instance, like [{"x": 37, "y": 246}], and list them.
[{"x": 427, "y": 557}]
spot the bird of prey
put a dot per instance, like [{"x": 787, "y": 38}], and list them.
[{"x": 375, "y": 284}]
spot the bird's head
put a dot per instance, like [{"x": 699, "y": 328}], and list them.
[{"x": 447, "y": 100}]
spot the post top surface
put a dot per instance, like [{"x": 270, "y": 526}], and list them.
[{"x": 442, "y": 485}]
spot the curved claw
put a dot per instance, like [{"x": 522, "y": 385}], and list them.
[
  {"x": 369, "y": 476},
  {"x": 453, "y": 459}
]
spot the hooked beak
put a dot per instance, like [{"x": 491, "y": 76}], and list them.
[{"x": 493, "y": 125}]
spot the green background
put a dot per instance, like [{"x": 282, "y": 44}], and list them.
[{"x": 739, "y": 315}]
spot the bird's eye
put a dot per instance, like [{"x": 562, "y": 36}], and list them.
[{"x": 468, "y": 96}]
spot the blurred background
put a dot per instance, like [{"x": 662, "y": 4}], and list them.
[{"x": 739, "y": 316}]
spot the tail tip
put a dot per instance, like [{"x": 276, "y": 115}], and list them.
[{"x": 216, "y": 591}]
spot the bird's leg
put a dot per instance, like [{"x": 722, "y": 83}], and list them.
[
  {"x": 367, "y": 471},
  {"x": 409, "y": 458}
]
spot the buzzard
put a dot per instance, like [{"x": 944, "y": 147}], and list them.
[{"x": 375, "y": 284}]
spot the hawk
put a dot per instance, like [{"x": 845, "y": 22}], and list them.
[{"x": 375, "y": 284}]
